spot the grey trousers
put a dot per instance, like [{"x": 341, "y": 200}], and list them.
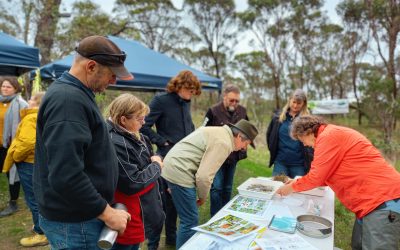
[{"x": 377, "y": 232}]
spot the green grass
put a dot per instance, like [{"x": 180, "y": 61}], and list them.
[{"x": 13, "y": 228}]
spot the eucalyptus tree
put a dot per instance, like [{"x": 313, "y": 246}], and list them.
[
  {"x": 157, "y": 22},
  {"x": 267, "y": 20},
  {"x": 256, "y": 78},
  {"x": 383, "y": 19},
  {"x": 12, "y": 13},
  {"x": 333, "y": 62},
  {"x": 46, "y": 28},
  {"x": 305, "y": 23},
  {"x": 8, "y": 20},
  {"x": 31, "y": 18},
  {"x": 356, "y": 41},
  {"x": 86, "y": 19},
  {"x": 214, "y": 24}
]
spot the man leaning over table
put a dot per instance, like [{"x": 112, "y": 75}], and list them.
[{"x": 190, "y": 167}]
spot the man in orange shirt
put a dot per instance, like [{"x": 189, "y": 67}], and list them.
[{"x": 362, "y": 180}]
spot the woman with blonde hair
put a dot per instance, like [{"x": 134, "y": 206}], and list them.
[
  {"x": 139, "y": 170},
  {"x": 22, "y": 153},
  {"x": 288, "y": 156}
]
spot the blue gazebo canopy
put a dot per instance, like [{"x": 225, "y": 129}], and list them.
[
  {"x": 152, "y": 70},
  {"x": 16, "y": 57}
]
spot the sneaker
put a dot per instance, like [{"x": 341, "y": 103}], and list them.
[
  {"x": 34, "y": 240},
  {"x": 10, "y": 209}
]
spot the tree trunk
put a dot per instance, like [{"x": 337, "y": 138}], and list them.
[{"x": 46, "y": 27}]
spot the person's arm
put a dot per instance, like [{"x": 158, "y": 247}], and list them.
[
  {"x": 268, "y": 134},
  {"x": 328, "y": 155},
  {"x": 212, "y": 160},
  {"x": 208, "y": 119},
  {"x": 132, "y": 178},
  {"x": 25, "y": 143},
  {"x": 156, "y": 111}
]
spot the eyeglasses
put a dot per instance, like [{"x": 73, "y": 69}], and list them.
[
  {"x": 233, "y": 100},
  {"x": 140, "y": 119}
]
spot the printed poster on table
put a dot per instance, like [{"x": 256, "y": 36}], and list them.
[
  {"x": 249, "y": 206},
  {"x": 229, "y": 227}
]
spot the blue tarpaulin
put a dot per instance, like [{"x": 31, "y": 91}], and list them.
[
  {"x": 152, "y": 70},
  {"x": 16, "y": 57}
]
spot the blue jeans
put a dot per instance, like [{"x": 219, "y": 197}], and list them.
[
  {"x": 289, "y": 170},
  {"x": 185, "y": 203},
  {"x": 221, "y": 188},
  {"x": 73, "y": 236},
  {"x": 118, "y": 246},
  {"x": 25, "y": 171}
]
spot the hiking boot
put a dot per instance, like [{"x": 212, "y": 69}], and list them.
[
  {"x": 34, "y": 240},
  {"x": 10, "y": 209}
]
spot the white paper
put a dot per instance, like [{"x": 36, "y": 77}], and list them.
[
  {"x": 284, "y": 242},
  {"x": 210, "y": 242}
]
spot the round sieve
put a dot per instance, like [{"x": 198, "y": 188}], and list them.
[{"x": 314, "y": 226}]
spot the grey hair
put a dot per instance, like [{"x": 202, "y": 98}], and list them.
[
  {"x": 231, "y": 88},
  {"x": 305, "y": 125}
]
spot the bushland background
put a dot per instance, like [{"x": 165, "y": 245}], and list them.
[
  {"x": 19, "y": 225},
  {"x": 291, "y": 44}
]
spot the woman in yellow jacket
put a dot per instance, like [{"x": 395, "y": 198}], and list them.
[{"x": 22, "y": 153}]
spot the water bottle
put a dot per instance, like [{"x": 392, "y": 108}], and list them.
[{"x": 107, "y": 235}]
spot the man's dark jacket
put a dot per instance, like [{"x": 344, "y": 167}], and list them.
[
  {"x": 76, "y": 168},
  {"x": 273, "y": 141},
  {"x": 218, "y": 115},
  {"x": 171, "y": 116}
]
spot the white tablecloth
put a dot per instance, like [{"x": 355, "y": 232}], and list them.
[{"x": 287, "y": 206}]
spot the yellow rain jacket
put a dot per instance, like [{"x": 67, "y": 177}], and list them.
[{"x": 22, "y": 148}]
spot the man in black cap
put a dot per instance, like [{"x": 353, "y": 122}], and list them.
[
  {"x": 76, "y": 167},
  {"x": 190, "y": 167}
]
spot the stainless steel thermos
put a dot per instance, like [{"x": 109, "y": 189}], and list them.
[{"x": 107, "y": 235}]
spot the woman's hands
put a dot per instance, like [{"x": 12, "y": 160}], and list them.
[{"x": 286, "y": 189}]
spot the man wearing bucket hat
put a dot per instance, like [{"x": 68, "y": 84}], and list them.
[
  {"x": 227, "y": 111},
  {"x": 190, "y": 167},
  {"x": 76, "y": 166}
]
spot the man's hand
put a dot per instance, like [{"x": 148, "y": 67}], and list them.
[
  {"x": 115, "y": 219},
  {"x": 286, "y": 189},
  {"x": 200, "y": 202}
]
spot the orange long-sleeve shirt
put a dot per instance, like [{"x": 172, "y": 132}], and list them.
[{"x": 347, "y": 162}]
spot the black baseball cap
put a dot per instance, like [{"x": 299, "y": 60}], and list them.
[{"x": 104, "y": 51}]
